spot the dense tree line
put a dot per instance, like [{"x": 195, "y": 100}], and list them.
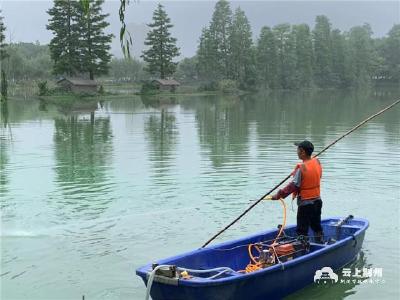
[
  {"x": 282, "y": 57},
  {"x": 127, "y": 70},
  {"x": 32, "y": 61},
  {"x": 388, "y": 49},
  {"x": 294, "y": 56},
  {"x": 80, "y": 45},
  {"x": 27, "y": 61}
]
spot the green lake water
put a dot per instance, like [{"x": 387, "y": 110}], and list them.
[{"x": 90, "y": 193}]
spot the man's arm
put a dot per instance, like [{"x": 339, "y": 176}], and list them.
[{"x": 293, "y": 186}]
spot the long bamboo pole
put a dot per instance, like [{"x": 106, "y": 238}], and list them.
[{"x": 287, "y": 177}]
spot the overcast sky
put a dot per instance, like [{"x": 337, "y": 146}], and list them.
[{"x": 26, "y": 20}]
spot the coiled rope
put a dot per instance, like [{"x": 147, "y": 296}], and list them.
[{"x": 255, "y": 264}]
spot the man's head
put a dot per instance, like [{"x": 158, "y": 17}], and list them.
[{"x": 304, "y": 149}]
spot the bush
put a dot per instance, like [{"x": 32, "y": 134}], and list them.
[
  {"x": 148, "y": 88},
  {"x": 101, "y": 90},
  {"x": 227, "y": 86},
  {"x": 208, "y": 86},
  {"x": 43, "y": 89}
]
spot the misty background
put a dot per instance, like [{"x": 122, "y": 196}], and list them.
[{"x": 26, "y": 20}]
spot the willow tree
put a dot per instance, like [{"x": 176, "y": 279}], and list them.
[{"x": 162, "y": 46}]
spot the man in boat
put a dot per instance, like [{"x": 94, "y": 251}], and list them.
[{"x": 306, "y": 186}]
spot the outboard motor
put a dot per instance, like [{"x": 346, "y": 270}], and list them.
[{"x": 340, "y": 224}]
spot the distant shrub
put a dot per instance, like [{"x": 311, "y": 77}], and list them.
[
  {"x": 148, "y": 88},
  {"x": 43, "y": 88},
  {"x": 227, "y": 86},
  {"x": 208, "y": 86},
  {"x": 101, "y": 90}
]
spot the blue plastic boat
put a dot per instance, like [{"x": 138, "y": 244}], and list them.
[{"x": 214, "y": 272}]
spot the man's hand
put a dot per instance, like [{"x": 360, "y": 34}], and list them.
[{"x": 269, "y": 197}]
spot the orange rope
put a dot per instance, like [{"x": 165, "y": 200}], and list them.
[
  {"x": 255, "y": 265},
  {"x": 252, "y": 258},
  {"x": 284, "y": 220}
]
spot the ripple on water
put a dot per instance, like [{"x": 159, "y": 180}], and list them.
[{"x": 137, "y": 190}]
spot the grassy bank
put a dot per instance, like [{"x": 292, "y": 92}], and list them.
[{"x": 28, "y": 90}]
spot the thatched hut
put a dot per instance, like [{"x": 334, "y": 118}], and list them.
[
  {"x": 78, "y": 85},
  {"x": 166, "y": 84}
]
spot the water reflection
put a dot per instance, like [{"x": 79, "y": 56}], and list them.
[
  {"x": 4, "y": 160},
  {"x": 161, "y": 133},
  {"x": 4, "y": 113},
  {"x": 83, "y": 149},
  {"x": 223, "y": 129},
  {"x": 339, "y": 290},
  {"x": 5, "y": 131},
  {"x": 106, "y": 181},
  {"x": 158, "y": 101},
  {"x": 224, "y": 125}
]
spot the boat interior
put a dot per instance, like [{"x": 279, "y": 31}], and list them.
[{"x": 263, "y": 249}]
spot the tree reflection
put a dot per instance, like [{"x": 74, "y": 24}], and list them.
[
  {"x": 223, "y": 129},
  {"x": 4, "y": 142},
  {"x": 162, "y": 133},
  {"x": 83, "y": 146},
  {"x": 339, "y": 290},
  {"x": 4, "y": 160},
  {"x": 4, "y": 113}
]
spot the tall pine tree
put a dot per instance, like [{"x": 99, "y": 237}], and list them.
[
  {"x": 162, "y": 47},
  {"x": 339, "y": 63},
  {"x": 226, "y": 48},
  {"x": 220, "y": 26},
  {"x": 322, "y": 52},
  {"x": 286, "y": 54},
  {"x": 64, "y": 46},
  {"x": 94, "y": 44},
  {"x": 241, "y": 49},
  {"x": 3, "y": 55},
  {"x": 3, "y": 45},
  {"x": 267, "y": 58},
  {"x": 206, "y": 57},
  {"x": 304, "y": 55}
]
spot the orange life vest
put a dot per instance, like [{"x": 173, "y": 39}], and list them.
[{"x": 311, "y": 172}]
